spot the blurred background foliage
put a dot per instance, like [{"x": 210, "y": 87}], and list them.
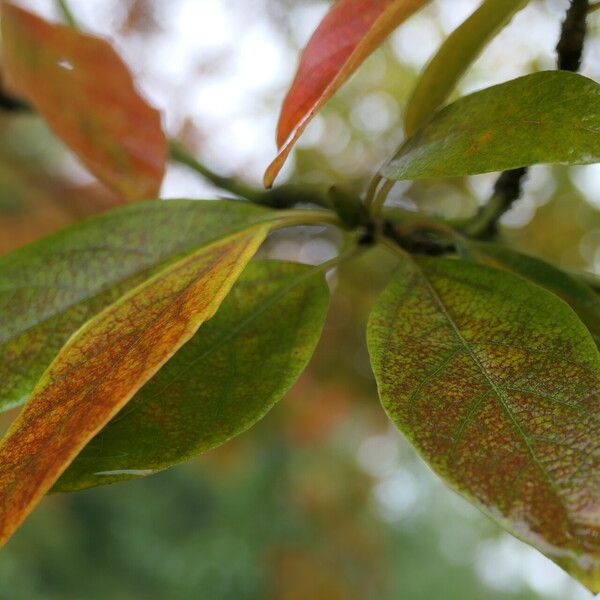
[{"x": 323, "y": 499}]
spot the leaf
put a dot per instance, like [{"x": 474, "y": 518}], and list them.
[
  {"x": 53, "y": 286},
  {"x": 80, "y": 85},
  {"x": 348, "y": 34},
  {"x": 495, "y": 381},
  {"x": 578, "y": 295},
  {"x": 546, "y": 117},
  {"x": 455, "y": 56},
  {"x": 226, "y": 378},
  {"x": 104, "y": 364}
]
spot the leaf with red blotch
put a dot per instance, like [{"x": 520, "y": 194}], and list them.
[
  {"x": 348, "y": 34},
  {"x": 106, "y": 362},
  {"x": 80, "y": 85}
]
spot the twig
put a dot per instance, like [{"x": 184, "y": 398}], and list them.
[
  {"x": 572, "y": 37},
  {"x": 179, "y": 154},
  {"x": 282, "y": 197},
  {"x": 509, "y": 185},
  {"x": 422, "y": 237},
  {"x": 506, "y": 190}
]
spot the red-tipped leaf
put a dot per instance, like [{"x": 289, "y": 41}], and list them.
[{"x": 348, "y": 34}]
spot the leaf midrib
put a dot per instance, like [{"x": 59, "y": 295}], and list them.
[
  {"x": 107, "y": 373},
  {"x": 158, "y": 265},
  {"x": 250, "y": 317},
  {"x": 498, "y": 392},
  {"x": 172, "y": 300}
]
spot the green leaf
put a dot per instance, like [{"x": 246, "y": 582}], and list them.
[
  {"x": 51, "y": 287},
  {"x": 106, "y": 362},
  {"x": 226, "y": 378},
  {"x": 547, "y": 117},
  {"x": 495, "y": 381},
  {"x": 577, "y": 294},
  {"x": 454, "y": 57}
]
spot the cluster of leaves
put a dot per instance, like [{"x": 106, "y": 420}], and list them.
[{"x": 146, "y": 335}]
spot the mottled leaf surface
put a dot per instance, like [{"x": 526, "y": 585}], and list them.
[
  {"x": 348, "y": 34},
  {"x": 105, "y": 363},
  {"x": 236, "y": 367},
  {"x": 53, "y": 286},
  {"x": 80, "y": 85},
  {"x": 546, "y": 117},
  {"x": 496, "y": 382},
  {"x": 582, "y": 299},
  {"x": 454, "y": 57}
]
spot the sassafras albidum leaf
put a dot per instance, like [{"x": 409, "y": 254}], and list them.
[
  {"x": 105, "y": 363},
  {"x": 496, "y": 382},
  {"x": 456, "y": 54},
  {"x": 546, "y": 117},
  {"x": 236, "y": 367},
  {"x": 80, "y": 85},
  {"x": 348, "y": 34},
  {"x": 582, "y": 299},
  {"x": 53, "y": 286}
]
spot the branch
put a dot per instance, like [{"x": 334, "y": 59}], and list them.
[
  {"x": 572, "y": 37},
  {"x": 506, "y": 190},
  {"x": 282, "y": 197},
  {"x": 180, "y": 155},
  {"x": 509, "y": 185}
]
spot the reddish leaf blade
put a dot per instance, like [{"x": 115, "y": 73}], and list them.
[
  {"x": 224, "y": 380},
  {"x": 105, "y": 363},
  {"x": 348, "y": 34},
  {"x": 80, "y": 85},
  {"x": 49, "y": 289}
]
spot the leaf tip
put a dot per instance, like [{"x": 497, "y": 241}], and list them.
[{"x": 275, "y": 167}]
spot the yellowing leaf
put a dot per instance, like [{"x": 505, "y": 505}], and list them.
[
  {"x": 105, "y": 363},
  {"x": 496, "y": 382},
  {"x": 236, "y": 367},
  {"x": 461, "y": 48},
  {"x": 50, "y": 288},
  {"x": 79, "y": 84},
  {"x": 348, "y": 34}
]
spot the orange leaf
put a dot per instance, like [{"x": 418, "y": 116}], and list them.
[
  {"x": 79, "y": 84},
  {"x": 348, "y": 34},
  {"x": 105, "y": 363}
]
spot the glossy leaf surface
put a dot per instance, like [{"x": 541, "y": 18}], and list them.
[
  {"x": 348, "y": 34},
  {"x": 236, "y": 367},
  {"x": 105, "y": 363},
  {"x": 454, "y": 57},
  {"x": 53, "y": 286},
  {"x": 582, "y": 299},
  {"x": 496, "y": 382},
  {"x": 79, "y": 84},
  {"x": 546, "y": 117}
]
